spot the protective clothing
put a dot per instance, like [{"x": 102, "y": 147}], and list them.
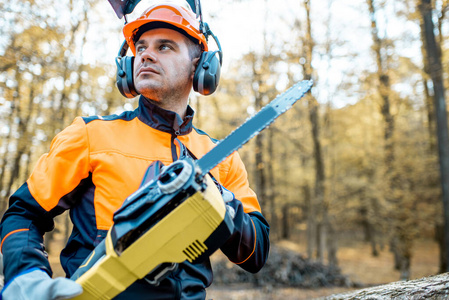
[
  {"x": 36, "y": 284},
  {"x": 92, "y": 166},
  {"x": 178, "y": 17}
]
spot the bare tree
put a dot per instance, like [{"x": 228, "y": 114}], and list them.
[
  {"x": 319, "y": 226},
  {"x": 435, "y": 69},
  {"x": 400, "y": 240}
]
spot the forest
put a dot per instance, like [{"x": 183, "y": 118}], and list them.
[{"x": 364, "y": 157}]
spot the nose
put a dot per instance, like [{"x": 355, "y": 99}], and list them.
[{"x": 148, "y": 55}]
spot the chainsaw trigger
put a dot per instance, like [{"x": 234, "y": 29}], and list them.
[{"x": 160, "y": 272}]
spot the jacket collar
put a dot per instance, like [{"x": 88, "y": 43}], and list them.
[{"x": 164, "y": 120}]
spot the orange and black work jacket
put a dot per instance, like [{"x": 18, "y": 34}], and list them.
[{"x": 92, "y": 167}]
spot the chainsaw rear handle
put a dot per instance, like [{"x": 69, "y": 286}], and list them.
[{"x": 94, "y": 257}]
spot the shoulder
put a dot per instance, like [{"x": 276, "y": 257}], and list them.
[
  {"x": 205, "y": 135},
  {"x": 125, "y": 116}
]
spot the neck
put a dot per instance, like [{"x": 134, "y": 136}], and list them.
[
  {"x": 179, "y": 107},
  {"x": 175, "y": 101}
]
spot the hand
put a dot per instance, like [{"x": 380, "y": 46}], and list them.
[
  {"x": 228, "y": 196},
  {"x": 36, "y": 284}
]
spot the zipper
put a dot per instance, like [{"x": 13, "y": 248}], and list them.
[
  {"x": 174, "y": 153},
  {"x": 174, "y": 135}
]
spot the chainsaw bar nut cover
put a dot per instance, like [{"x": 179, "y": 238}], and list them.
[{"x": 174, "y": 176}]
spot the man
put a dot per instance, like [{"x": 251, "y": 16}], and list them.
[{"x": 96, "y": 162}]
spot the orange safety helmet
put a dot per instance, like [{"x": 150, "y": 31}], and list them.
[{"x": 169, "y": 13}]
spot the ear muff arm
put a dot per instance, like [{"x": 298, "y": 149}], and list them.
[
  {"x": 120, "y": 71},
  {"x": 124, "y": 77},
  {"x": 210, "y": 56},
  {"x": 208, "y": 33},
  {"x": 120, "y": 55},
  {"x": 123, "y": 49}
]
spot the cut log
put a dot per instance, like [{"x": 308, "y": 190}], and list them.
[{"x": 432, "y": 287}]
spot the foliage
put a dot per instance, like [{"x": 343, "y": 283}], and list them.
[
  {"x": 45, "y": 83},
  {"x": 46, "y": 80}
]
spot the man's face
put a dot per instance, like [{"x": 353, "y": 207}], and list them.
[{"x": 163, "y": 70}]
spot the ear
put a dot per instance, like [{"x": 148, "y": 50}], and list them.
[{"x": 195, "y": 62}]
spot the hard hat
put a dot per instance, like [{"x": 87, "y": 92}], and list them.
[{"x": 169, "y": 15}]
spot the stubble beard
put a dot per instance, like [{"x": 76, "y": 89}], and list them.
[{"x": 163, "y": 94}]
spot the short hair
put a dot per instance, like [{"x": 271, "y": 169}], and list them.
[{"x": 195, "y": 49}]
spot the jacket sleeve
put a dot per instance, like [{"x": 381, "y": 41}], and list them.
[
  {"x": 23, "y": 226},
  {"x": 249, "y": 244},
  {"x": 46, "y": 194}
]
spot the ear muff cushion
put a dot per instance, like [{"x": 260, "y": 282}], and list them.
[
  {"x": 207, "y": 73},
  {"x": 125, "y": 79}
]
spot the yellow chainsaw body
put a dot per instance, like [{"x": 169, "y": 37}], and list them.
[{"x": 177, "y": 237}]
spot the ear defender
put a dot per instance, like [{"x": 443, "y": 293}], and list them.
[
  {"x": 207, "y": 73},
  {"x": 124, "y": 77}
]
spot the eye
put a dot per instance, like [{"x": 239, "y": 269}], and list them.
[
  {"x": 140, "y": 48},
  {"x": 165, "y": 47}
]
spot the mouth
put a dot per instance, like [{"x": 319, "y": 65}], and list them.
[{"x": 147, "y": 70}]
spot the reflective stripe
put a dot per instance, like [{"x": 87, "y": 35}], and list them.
[
  {"x": 255, "y": 242},
  {"x": 14, "y": 231}
]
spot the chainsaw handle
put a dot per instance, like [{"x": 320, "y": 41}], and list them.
[{"x": 94, "y": 257}]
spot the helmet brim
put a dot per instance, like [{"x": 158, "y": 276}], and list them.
[{"x": 173, "y": 16}]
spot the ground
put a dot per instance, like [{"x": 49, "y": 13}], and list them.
[{"x": 355, "y": 261}]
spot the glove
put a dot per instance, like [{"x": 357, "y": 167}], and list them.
[
  {"x": 35, "y": 284},
  {"x": 228, "y": 196}
]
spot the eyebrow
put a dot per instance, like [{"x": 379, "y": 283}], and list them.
[
  {"x": 167, "y": 41},
  {"x": 159, "y": 41},
  {"x": 139, "y": 42}
]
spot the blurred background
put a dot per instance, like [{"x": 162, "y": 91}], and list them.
[{"x": 350, "y": 178}]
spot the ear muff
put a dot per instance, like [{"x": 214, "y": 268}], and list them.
[
  {"x": 124, "y": 77},
  {"x": 207, "y": 73}
]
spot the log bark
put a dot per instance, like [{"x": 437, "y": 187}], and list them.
[{"x": 433, "y": 287}]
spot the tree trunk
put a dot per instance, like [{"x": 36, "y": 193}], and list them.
[
  {"x": 433, "y": 56},
  {"x": 259, "y": 156},
  {"x": 427, "y": 98},
  {"x": 368, "y": 229},
  {"x": 439, "y": 237},
  {"x": 6, "y": 155},
  {"x": 399, "y": 237},
  {"x": 331, "y": 243},
  {"x": 319, "y": 190},
  {"x": 23, "y": 136},
  {"x": 433, "y": 287},
  {"x": 271, "y": 193},
  {"x": 286, "y": 221},
  {"x": 311, "y": 221},
  {"x": 260, "y": 180}
]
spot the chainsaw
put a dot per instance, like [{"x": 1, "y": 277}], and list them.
[{"x": 177, "y": 215}]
